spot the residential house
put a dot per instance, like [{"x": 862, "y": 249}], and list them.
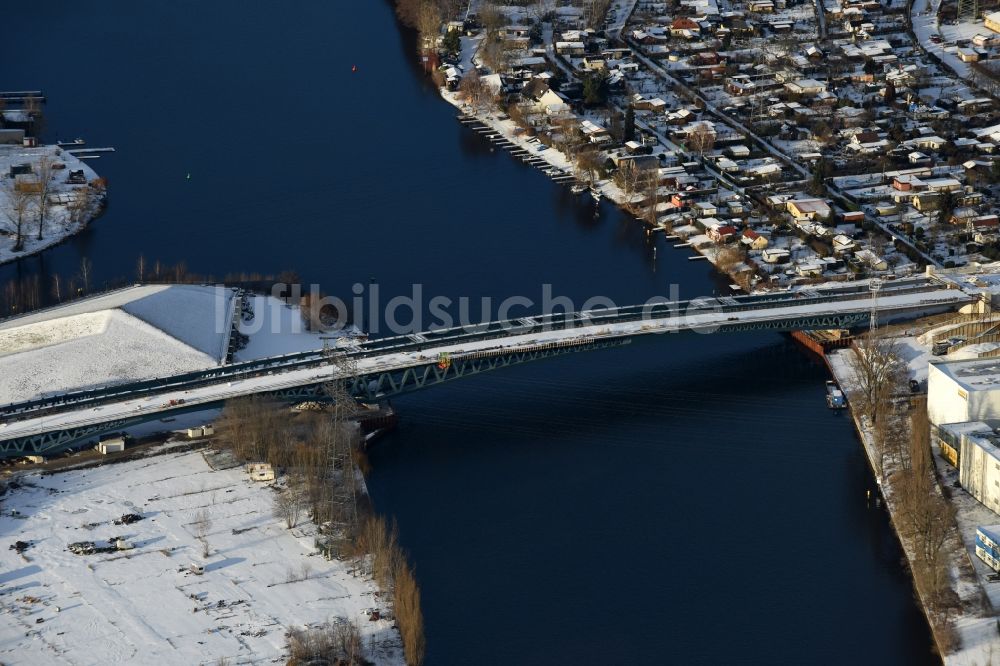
[
  {"x": 805, "y": 87},
  {"x": 808, "y": 209},
  {"x": 753, "y": 240},
  {"x": 594, "y": 133},
  {"x": 775, "y": 255},
  {"x": 842, "y": 244},
  {"x": 684, "y": 27},
  {"x": 721, "y": 233}
]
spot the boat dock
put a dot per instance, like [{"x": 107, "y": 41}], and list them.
[
  {"x": 22, "y": 96},
  {"x": 519, "y": 151},
  {"x": 79, "y": 151}
]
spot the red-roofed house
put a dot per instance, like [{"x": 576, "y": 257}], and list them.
[
  {"x": 753, "y": 240},
  {"x": 684, "y": 27},
  {"x": 721, "y": 234}
]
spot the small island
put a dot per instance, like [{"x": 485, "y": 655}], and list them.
[{"x": 47, "y": 192}]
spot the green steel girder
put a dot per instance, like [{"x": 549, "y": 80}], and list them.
[
  {"x": 846, "y": 320},
  {"x": 369, "y": 386}
]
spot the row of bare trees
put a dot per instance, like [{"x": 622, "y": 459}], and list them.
[
  {"x": 335, "y": 642},
  {"x": 879, "y": 371},
  {"x": 318, "y": 451},
  {"x": 387, "y": 565},
  {"x": 901, "y": 437},
  {"x": 24, "y": 294}
]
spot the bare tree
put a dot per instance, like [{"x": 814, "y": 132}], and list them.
[
  {"x": 701, "y": 138},
  {"x": 429, "y": 24},
  {"x": 287, "y": 506},
  {"x": 492, "y": 18},
  {"x": 85, "y": 270},
  {"x": 628, "y": 178},
  {"x": 475, "y": 92},
  {"x": 17, "y": 204},
  {"x": 589, "y": 163},
  {"x": 45, "y": 171},
  {"x": 202, "y": 526},
  {"x": 877, "y": 366},
  {"x": 728, "y": 258},
  {"x": 595, "y": 11},
  {"x": 80, "y": 204}
]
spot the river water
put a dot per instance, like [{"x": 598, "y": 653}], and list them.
[{"x": 687, "y": 499}]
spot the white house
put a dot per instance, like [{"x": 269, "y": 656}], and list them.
[
  {"x": 552, "y": 103},
  {"x": 111, "y": 445},
  {"x": 872, "y": 260},
  {"x": 842, "y": 243},
  {"x": 805, "y": 87},
  {"x": 260, "y": 471}
]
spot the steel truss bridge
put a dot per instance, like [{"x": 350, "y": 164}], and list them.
[{"x": 385, "y": 367}]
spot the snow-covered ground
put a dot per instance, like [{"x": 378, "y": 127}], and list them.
[
  {"x": 924, "y": 17},
  {"x": 145, "y": 606},
  {"x": 59, "y": 223},
  {"x": 88, "y": 350},
  {"x": 621, "y": 10},
  {"x": 278, "y": 328},
  {"x": 126, "y": 335}
]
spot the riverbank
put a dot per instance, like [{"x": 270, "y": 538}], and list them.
[
  {"x": 964, "y": 627},
  {"x": 75, "y": 195}
]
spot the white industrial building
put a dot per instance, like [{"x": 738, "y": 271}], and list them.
[
  {"x": 960, "y": 391},
  {"x": 979, "y": 468},
  {"x": 948, "y": 437}
]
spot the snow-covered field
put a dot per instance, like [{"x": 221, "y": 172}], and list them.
[
  {"x": 145, "y": 606},
  {"x": 127, "y": 335},
  {"x": 58, "y": 225},
  {"x": 193, "y": 314},
  {"x": 88, "y": 350}
]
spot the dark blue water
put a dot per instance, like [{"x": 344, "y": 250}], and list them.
[{"x": 687, "y": 499}]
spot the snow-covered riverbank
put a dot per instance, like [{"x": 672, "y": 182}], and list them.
[{"x": 975, "y": 625}]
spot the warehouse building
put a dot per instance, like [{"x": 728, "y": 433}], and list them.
[
  {"x": 961, "y": 391},
  {"x": 979, "y": 468},
  {"x": 948, "y": 437}
]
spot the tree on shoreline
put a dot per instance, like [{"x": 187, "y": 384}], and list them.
[
  {"x": 16, "y": 207},
  {"x": 475, "y": 92},
  {"x": 45, "y": 171}
]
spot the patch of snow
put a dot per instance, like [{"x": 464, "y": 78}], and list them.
[{"x": 278, "y": 328}]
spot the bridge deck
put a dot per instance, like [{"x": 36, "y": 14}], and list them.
[{"x": 403, "y": 352}]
